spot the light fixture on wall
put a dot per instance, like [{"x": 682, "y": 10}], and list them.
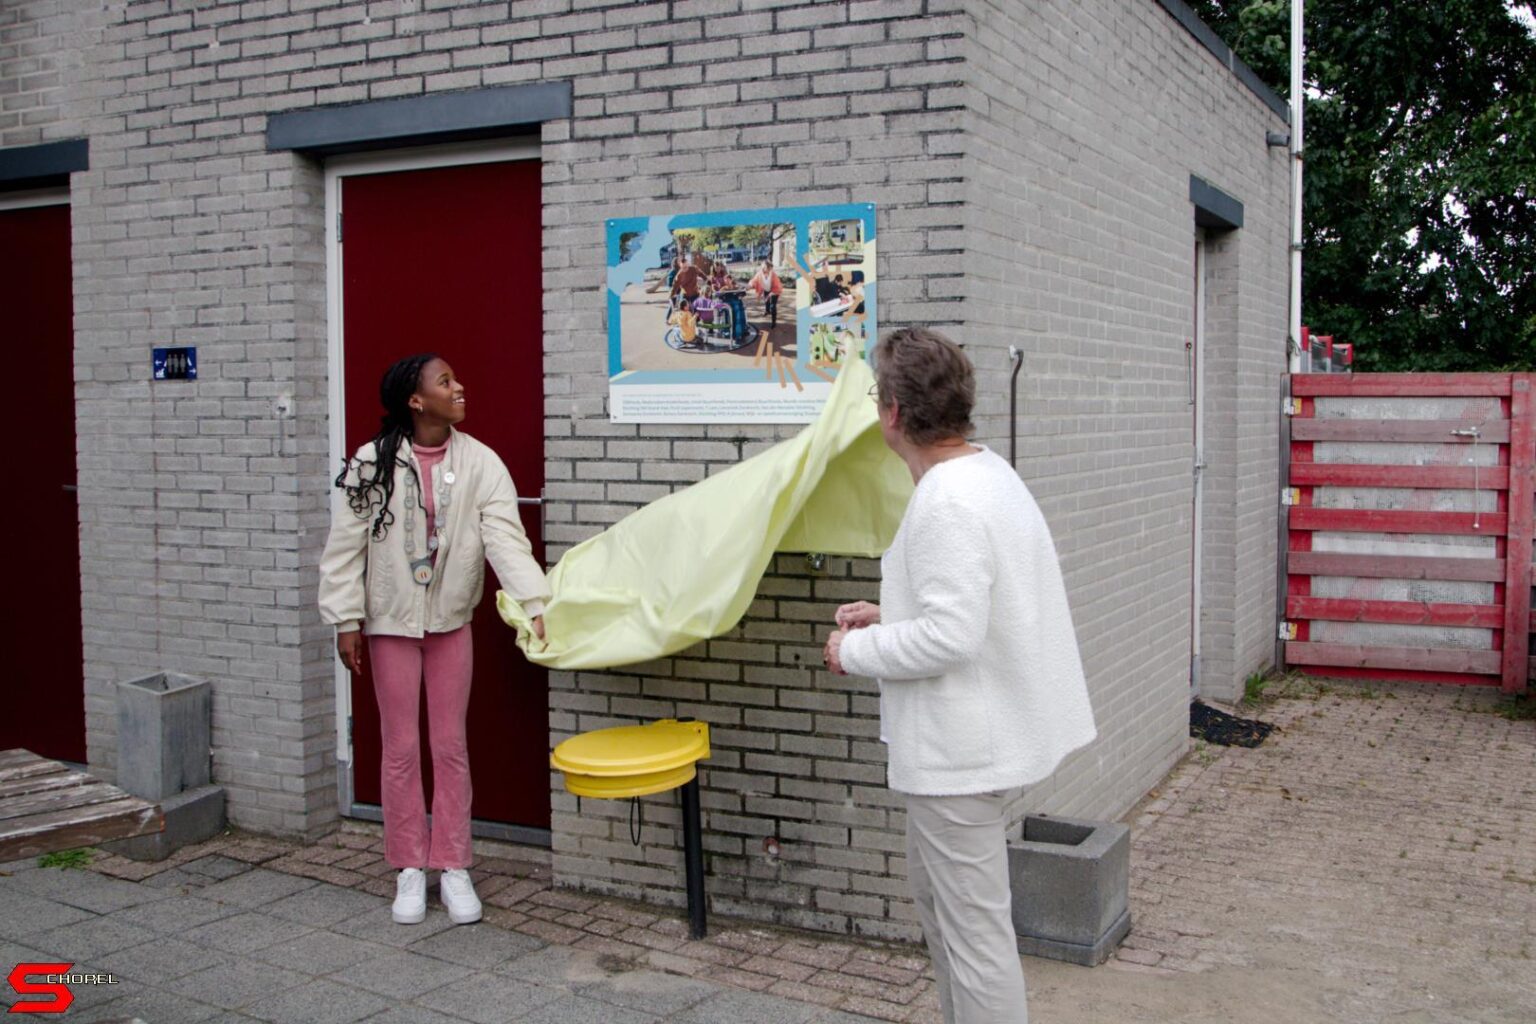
[{"x": 1273, "y": 139}]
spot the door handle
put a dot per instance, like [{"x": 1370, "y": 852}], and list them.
[{"x": 72, "y": 488}]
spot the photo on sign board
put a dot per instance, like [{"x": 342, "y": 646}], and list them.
[
  {"x": 736, "y": 316},
  {"x": 710, "y": 301}
]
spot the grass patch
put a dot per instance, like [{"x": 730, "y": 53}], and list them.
[
  {"x": 66, "y": 860},
  {"x": 1253, "y": 687},
  {"x": 1517, "y": 709}
]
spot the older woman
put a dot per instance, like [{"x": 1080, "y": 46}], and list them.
[{"x": 981, "y": 685}]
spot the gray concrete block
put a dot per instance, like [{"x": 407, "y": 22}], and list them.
[
  {"x": 479, "y": 948},
  {"x": 175, "y": 915},
  {"x": 162, "y": 734},
  {"x": 246, "y": 933},
  {"x": 190, "y": 817},
  {"x": 1070, "y": 882},
  {"x": 163, "y": 959},
  {"x": 319, "y": 1002},
  {"x": 576, "y": 1010},
  {"x": 257, "y": 888},
  {"x": 320, "y": 952},
  {"x": 486, "y": 998},
  {"x": 405, "y": 975}
]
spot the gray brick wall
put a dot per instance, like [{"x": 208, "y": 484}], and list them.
[
  {"x": 43, "y": 57},
  {"x": 1087, "y": 122},
  {"x": 1030, "y": 163}
]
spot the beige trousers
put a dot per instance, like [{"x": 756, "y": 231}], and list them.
[{"x": 957, "y": 865}]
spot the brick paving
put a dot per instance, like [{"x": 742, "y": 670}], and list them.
[
  {"x": 1379, "y": 850},
  {"x": 1384, "y": 840}
]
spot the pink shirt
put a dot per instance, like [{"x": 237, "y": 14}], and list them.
[{"x": 427, "y": 458}]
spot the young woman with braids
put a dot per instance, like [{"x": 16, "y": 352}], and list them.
[{"x": 426, "y": 506}]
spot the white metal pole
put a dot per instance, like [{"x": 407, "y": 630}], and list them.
[{"x": 1298, "y": 359}]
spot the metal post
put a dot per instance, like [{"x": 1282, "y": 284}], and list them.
[
  {"x": 1298, "y": 356},
  {"x": 693, "y": 858}
]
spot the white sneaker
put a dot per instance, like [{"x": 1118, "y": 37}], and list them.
[
  {"x": 410, "y": 897},
  {"x": 458, "y": 894}
]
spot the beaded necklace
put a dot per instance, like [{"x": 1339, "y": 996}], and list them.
[{"x": 421, "y": 568}]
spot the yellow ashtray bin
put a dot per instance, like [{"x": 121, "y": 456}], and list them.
[
  {"x": 638, "y": 760},
  {"x": 632, "y": 760}
]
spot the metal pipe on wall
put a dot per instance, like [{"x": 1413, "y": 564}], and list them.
[{"x": 1016, "y": 356}]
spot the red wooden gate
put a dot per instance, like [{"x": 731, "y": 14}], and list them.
[{"x": 1391, "y": 571}]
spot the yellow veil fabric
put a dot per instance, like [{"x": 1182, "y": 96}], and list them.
[{"x": 685, "y": 568}]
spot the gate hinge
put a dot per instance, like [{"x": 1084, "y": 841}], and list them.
[
  {"x": 1287, "y": 630},
  {"x": 349, "y": 730},
  {"x": 338, "y": 225},
  {"x": 1290, "y": 496},
  {"x": 1290, "y": 407}
]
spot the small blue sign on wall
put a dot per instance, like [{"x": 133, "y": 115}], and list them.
[{"x": 175, "y": 363}]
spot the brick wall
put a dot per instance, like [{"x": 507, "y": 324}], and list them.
[
  {"x": 830, "y": 103},
  {"x": 1030, "y": 164},
  {"x": 1088, "y": 120},
  {"x": 44, "y": 46}
]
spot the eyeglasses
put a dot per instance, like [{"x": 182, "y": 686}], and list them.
[{"x": 874, "y": 392}]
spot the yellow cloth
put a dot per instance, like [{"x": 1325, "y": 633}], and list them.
[{"x": 685, "y": 568}]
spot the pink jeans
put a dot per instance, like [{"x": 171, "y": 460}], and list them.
[{"x": 445, "y": 662}]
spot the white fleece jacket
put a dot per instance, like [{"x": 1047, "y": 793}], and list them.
[{"x": 981, "y": 683}]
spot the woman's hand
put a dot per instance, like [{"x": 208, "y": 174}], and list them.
[
  {"x": 831, "y": 654},
  {"x": 538, "y": 626},
  {"x": 858, "y": 615},
  {"x": 349, "y": 646}
]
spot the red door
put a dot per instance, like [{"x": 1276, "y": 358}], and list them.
[
  {"x": 44, "y": 687},
  {"x": 447, "y": 260}
]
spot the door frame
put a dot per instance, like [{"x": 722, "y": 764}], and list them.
[
  {"x": 336, "y": 168},
  {"x": 1197, "y": 401},
  {"x": 35, "y": 197},
  {"x": 27, "y": 199}
]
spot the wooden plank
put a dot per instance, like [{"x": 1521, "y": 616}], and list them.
[
  {"x": 1408, "y": 613},
  {"x": 18, "y": 756},
  {"x": 1423, "y": 659},
  {"x": 1403, "y": 431},
  {"x": 31, "y": 770},
  {"x": 1371, "y": 520},
  {"x": 57, "y": 800},
  {"x": 1395, "y": 385},
  {"x": 1397, "y": 567},
  {"x": 1344, "y": 474},
  {"x": 1522, "y": 520},
  {"x": 67, "y": 830},
  {"x": 1282, "y": 546},
  {"x": 1377, "y": 675},
  {"x": 38, "y": 783}
]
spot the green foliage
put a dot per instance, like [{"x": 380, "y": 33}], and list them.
[
  {"x": 1420, "y": 206},
  {"x": 736, "y": 236},
  {"x": 67, "y": 859},
  {"x": 1253, "y": 687}
]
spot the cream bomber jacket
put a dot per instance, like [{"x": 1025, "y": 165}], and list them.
[
  {"x": 981, "y": 684},
  {"x": 366, "y": 583}
]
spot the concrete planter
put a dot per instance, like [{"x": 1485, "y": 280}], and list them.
[
  {"x": 1070, "y": 882},
  {"x": 163, "y": 730},
  {"x": 163, "y": 734}
]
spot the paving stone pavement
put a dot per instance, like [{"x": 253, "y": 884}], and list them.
[
  {"x": 232, "y": 940},
  {"x": 1373, "y": 861},
  {"x": 1381, "y": 844}
]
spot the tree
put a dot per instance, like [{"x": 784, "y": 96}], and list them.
[{"x": 1419, "y": 244}]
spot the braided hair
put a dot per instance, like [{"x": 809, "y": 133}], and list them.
[{"x": 370, "y": 495}]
